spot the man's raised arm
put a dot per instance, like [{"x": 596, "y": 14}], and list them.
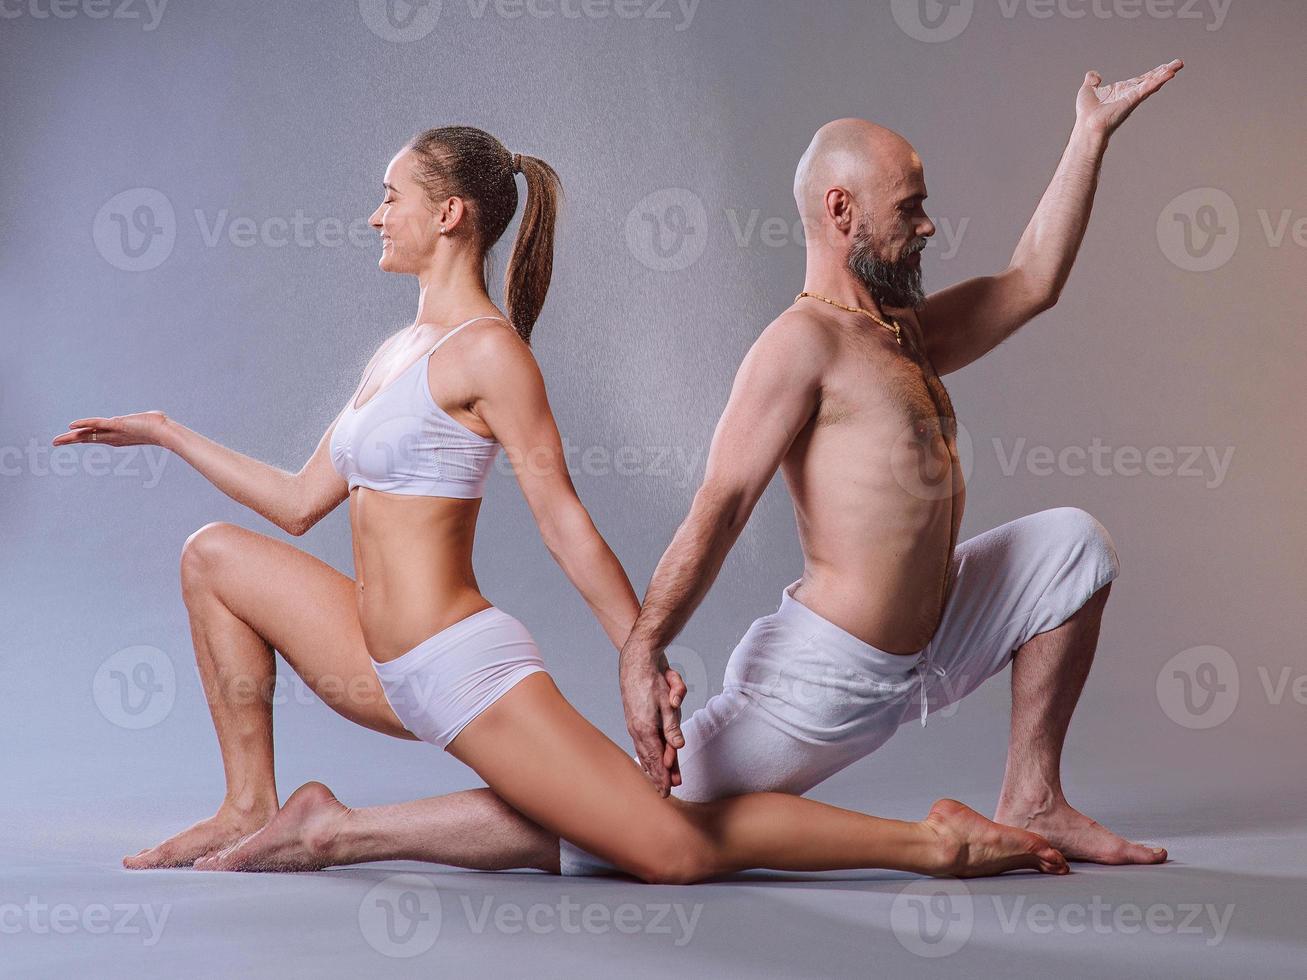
[
  {"x": 967, "y": 320},
  {"x": 774, "y": 395}
]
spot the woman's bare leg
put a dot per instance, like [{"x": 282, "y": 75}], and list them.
[
  {"x": 536, "y": 750},
  {"x": 248, "y": 595},
  {"x": 539, "y": 755}
]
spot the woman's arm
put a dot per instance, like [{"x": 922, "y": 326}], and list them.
[
  {"x": 514, "y": 404},
  {"x": 292, "y": 501}
]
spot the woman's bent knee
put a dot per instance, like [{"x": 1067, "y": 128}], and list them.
[
  {"x": 204, "y": 544},
  {"x": 682, "y": 860},
  {"x": 202, "y": 548}
]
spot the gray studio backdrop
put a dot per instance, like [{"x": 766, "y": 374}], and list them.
[{"x": 184, "y": 186}]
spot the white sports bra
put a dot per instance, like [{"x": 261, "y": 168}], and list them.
[{"x": 401, "y": 441}]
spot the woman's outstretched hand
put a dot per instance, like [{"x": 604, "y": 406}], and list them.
[{"x": 137, "y": 429}]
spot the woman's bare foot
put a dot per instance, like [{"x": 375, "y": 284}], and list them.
[
  {"x": 224, "y": 828},
  {"x": 976, "y": 846},
  {"x": 299, "y": 838},
  {"x": 1075, "y": 835}
]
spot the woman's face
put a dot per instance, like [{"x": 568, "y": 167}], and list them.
[{"x": 409, "y": 226}]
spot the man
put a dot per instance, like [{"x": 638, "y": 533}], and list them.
[{"x": 892, "y": 616}]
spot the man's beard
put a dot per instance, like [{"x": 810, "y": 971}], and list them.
[{"x": 891, "y": 283}]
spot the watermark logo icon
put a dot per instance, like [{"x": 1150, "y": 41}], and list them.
[
  {"x": 1199, "y": 687},
  {"x": 135, "y": 687},
  {"x": 932, "y": 457},
  {"x": 400, "y": 21},
  {"x": 135, "y": 230},
  {"x": 1198, "y": 231},
  {"x": 933, "y": 918},
  {"x": 932, "y": 21},
  {"x": 667, "y": 230},
  {"x": 399, "y": 443},
  {"x": 400, "y": 916}
]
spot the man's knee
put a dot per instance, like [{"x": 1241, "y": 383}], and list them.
[
  {"x": 1085, "y": 540},
  {"x": 1077, "y": 561}
]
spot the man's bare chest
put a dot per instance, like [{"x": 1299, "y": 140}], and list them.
[{"x": 898, "y": 390}]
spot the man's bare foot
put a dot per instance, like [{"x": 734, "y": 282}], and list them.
[
  {"x": 225, "y": 827},
  {"x": 299, "y": 838},
  {"x": 975, "y": 846},
  {"x": 1075, "y": 835}
]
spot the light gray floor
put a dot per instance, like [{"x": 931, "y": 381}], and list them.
[{"x": 1230, "y": 903}]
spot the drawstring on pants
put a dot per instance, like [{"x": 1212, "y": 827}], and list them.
[{"x": 923, "y": 667}]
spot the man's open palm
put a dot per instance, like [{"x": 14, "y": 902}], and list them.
[{"x": 1104, "y": 107}]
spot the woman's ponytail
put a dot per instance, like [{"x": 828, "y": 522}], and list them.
[{"x": 531, "y": 264}]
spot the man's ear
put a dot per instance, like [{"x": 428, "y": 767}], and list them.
[{"x": 839, "y": 208}]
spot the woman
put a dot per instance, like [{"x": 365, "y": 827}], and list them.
[{"x": 413, "y": 647}]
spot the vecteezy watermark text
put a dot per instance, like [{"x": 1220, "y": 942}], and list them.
[
  {"x": 1199, "y": 687},
  {"x": 137, "y": 229},
  {"x": 40, "y": 918},
  {"x": 1104, "y": 460},
  {"x": 936, "y": 918},
  {"x": 402, "y": 916},
  {"x": 40, "y": 459},
  {"x": 148, "y": 12},
  {"x": 405, "y": 21},
  {"x": 935, "y": 21}
]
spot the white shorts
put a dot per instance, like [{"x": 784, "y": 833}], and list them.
[
  {"x": 802, "y": 698},
  {"x": 451, "y": 677}
]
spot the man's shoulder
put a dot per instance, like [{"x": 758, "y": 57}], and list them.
[
  {"x": 821, "y": 335},
  {"x": 800, "y": 332}
]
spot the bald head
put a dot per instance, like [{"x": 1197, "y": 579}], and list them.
[
  {"x": 861, "y": 193},
  {"x": 861, "y": 156}
]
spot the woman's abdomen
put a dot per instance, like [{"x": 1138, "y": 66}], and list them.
[{"x": 413, "y": 568}]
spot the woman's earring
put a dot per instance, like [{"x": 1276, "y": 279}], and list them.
[{"x": 442, "y": 229}]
